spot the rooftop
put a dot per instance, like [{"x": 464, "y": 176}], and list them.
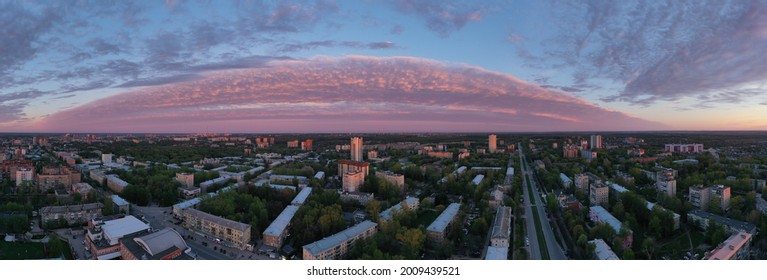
[
  {"x": 478, "y": 179},
  {"x": 117, "y": 228},
  {"x": 354, "y": 163},
  {"x": 445, "y": 218},
  {"x": 302, "y": 196},
  {"x": 564, "y": 178},
  {"x": 728, "y": 248},
  {"x": 338, "y": 238},
  {"x": 187, "y": 203},
  {"x": 617, "y": 188},
  {"x": 386, "y": 214},
  {"x": 608, "y": 218},
  {"x": 603, "y": 251},
  {"x": 734, "y": 224},
  {"x": 160, "y": 241},
  {"x": 501, "y": 225},
  {"x": 281, "y": 222},
  {"x": 71, "y": 208},
  {"x": 119, "y": 200}
]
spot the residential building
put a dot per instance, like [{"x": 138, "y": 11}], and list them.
[
  {"x": 603, "y": 251},
  {"x": 9, "y": 167},
  {"x": 72, "y": 214},
  {"x": 582, "y": 182},
  {"x": 395, "y": 179},
  {"x": 115, "y": 183},
  {"x": 24, "y": 175},
  {"x": 186, "y": 179},
  {"x": 721, "y": 193},
  {"x": 306, "y": 145},
  {"x": 320, "y": 175},
  {"x": 684, "y": 148},
  {"x": 437, "y": 230},
  {"x": 736, "y": 247},
  {"x": 599, "y": 193},
  {"x": 501, "y": 230},
  {"x": 361, "y": 197},
  {"x": 700, "y": 196},
  {"x": 338, "y": 245},
  {"x": 293, "y": 144},
  {"x": 121, "y": 205},
  {"x": 277, "y": 231},
  {"x": 496, "y": 196},
  {"x": 410, "y": 203},
  {"x": 497, "y": 253},
  {"x": 98, "y": 176},
  {"x": 566, "y": 182},
  {"x": 589, "y": 155},
  {"x": 491, "y": 143},
  {"x": 372, "y": 154},
  {"x": 106, "y": 158},
  {"x": 103, "y": 236},
  {"x": 345, "y": 166},
  {"x": 83, "y": 189},
  {"x": 232, "y": 233},
  {"x": 664, "y": 180},
  {"x": 165, "y": 244},
  {"x": 597, "y": 214},
  {"x": 53, "y": 177},
  {"x": 301, "y": 197},
  {"x": 570, "y": 151},
  {"x": 675, "y": 216},
  {"x": 356, "y": 148},
  {"x": 702, "y": 218},
  {"x": 440, "y": 154},
  {"x": 478, "y": 179},
  {"x": 207, "y": 184},
  {"x": 596, "y": 142},
  {"x": 353, "y": 180}
]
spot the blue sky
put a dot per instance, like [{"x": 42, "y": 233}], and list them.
[{"x": 545, "y": 65}]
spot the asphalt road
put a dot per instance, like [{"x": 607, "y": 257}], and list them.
[{"x": 555, "y": 251}]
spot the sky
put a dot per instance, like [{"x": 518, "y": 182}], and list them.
[{"x": 382, "y": 66}]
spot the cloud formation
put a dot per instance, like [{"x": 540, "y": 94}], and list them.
[
  {"x": 354, "y": 93},
  {"x": 442, "y": 17},
  {"x": 661, "y": 50}
]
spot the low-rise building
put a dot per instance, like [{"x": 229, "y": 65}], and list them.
[
  {"x": 338, "y": 245},
  {"x": 478, "y": 179},
  {"x": 603, "y": 251},
  {"x": 597, "y": 214},
  {"x": 301, "y": 197},
  {"x": 395, "y": 179},
  {"x": 121, "y": 205},
  {"x": 582, "y": 182},
  {"x": 232, "y": 233},
  {"x": 437, "y": 230},
  {"x": 53, "y": 177},
  {"x": 165, "y": 244},
  {"x": 186, "y": 179},
  {"x": 501, "y": 230},
  {"x": 103, "y": 236},
  {"x": 277, "y": 231},
  {"x": 736, "y": 247},
  {"x": 73, "y": 214},
  {"x": 497, "y": 253},
  {"x": 361, "y": 197},
  {"x": 115, "y": 183},
  {"x": 410, "y": 203},
  {"x": 701, "y": 219},
  {"x": 83, "y": 189},
  {"x": 566, "y": 182}
]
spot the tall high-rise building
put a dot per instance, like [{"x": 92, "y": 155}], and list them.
[
  {"x": 356, "y": 147},
  {"x": 491, "y": 143},
  {"x": 596, "y": 141}
]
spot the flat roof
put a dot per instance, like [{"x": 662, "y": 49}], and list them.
[
  {"x": 386, "y": 214},
  {"x": 564, "y": 178},
  {"x": 338, "y": 238},
  {"x": 608, "y": 218},
  {"x": 119, "y": 200},
  {"x": 617, "y": 188},
  {"x": 116, "y": 229},
  {"x": 734, "y": 224},
  {"x": 281, "y": 222},
  {"x": 728, "y": 248},
  {"x": 497, "y": 253},
  {"x": 445, "y": 218},
  {"x": 187, "y": 203},
  {"x": 478, "y": 179},
  {"x": 319, "y": 175},
  {"x": 302, "y": 196},
  {"x": 603, "y": 251}
]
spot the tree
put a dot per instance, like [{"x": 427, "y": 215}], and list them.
[
  {"x": 648, "y": 247},
  {"x": 628, "y": 254},
  {"x": 413, "y": 240}
]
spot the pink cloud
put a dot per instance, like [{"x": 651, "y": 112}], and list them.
[{"x": 353, "y": 93}]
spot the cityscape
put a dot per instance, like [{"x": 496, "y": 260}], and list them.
[
  {"x": 553, "y": 196},
  {"x": 383, "y": 130}
]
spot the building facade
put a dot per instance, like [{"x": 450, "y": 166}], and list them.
[
  {"x": 234, "y": 234},
  {"x": 599, "y": 193},
  {"x": 491, "y": 143},
  {"x": 72, "y": 214},
  {"x": 338, "y": 245},
  {"x": 356, "y": 148},
  {"x": 353, "y": 180}
]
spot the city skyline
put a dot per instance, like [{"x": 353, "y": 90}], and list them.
[{"x": 399, "y": 66}]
